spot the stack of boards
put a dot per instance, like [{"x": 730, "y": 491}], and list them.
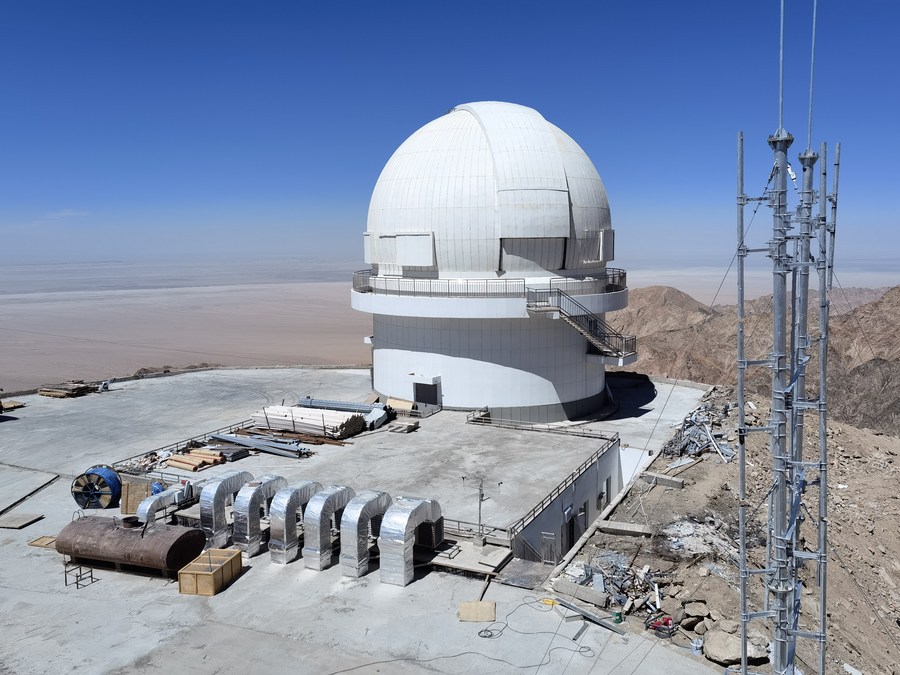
[
  {"x": 71, "y": 389},
  {"x": 313, "y": 421}
]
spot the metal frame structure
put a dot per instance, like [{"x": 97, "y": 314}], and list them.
[{"x": 796, "y": 478}]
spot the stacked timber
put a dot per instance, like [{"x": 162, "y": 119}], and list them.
[
  {"x": 66, "y": 389},
  {"x": 313, "y": 421},
  {"x": 196, "y": 459}
]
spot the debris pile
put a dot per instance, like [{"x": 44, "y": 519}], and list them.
[
  {"x": 697, "y": 434},
  {"x": 658, "y": 598},
  {"x": 620, "y": 587}
]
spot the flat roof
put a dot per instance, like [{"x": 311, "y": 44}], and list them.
[{"x": 286, "y": 617}]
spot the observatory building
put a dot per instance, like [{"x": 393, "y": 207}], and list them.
[{"x": 488, "y": 237}]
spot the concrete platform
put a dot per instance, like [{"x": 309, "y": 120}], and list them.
[{"x": 278, "y": 618}]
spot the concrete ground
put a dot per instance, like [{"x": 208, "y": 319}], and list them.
[{"x": 287, "y": 618}]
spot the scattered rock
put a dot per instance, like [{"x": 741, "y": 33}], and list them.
[
  {"x": 690, "y": 622},
  {"x": 729, "y": 626},
  {"x": 725, "y": 649},
  {"x": 696, "y": 609}
]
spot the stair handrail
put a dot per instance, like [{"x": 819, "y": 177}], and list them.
[{"x": 573, "y": 310}]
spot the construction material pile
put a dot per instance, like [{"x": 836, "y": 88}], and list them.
[
  {"x": 313, "y": 421},
  {"x": 698, "y": 434},
  {"x": 67, "y": 389},
  {"x": 195, "y": 459},
  {"x": 609, "y": 581}
]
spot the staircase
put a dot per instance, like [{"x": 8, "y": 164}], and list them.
[{"x": 620, "y": 349}]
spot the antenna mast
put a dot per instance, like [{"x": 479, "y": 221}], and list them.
[{"x": 796, "y": 479}]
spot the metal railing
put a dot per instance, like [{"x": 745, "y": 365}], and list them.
[
  {"x": 516, "y": 527},
  {"x": 123, "y": 465},
  {"x": 466, "y": 528},
  {"x": 365, "y": 281},
  {"x": 612, "y": 281},
  {"x": 605, "y": 338}
]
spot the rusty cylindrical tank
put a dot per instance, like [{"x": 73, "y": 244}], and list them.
[{"x": 125, "y": 542}]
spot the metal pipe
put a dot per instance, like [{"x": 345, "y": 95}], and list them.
[
  {"x": 742, "y": 457},
  {"x": 812, "y": 72},
  {"x": 362, "y": 513},
  {"x": 317, "y": 544},
  {"x": 286, "y": 505},
  {"x": 781, "y": 73},
  {"x": 247, "y": 507},
  {"x": 832, "y": 226},
  {"x": 212, "y": 505},
  {"x": 824, "y": 272},
  {"x": 780, "y": 585}
]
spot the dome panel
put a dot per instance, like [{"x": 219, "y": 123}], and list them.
[{"x": 481, "y": 175}]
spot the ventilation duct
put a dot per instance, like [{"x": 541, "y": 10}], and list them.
[
  {"x": 212, "y": 505},
  {"x": 247, "y": 506},
  {"x": 317, "y": 524},
  {"x": 286, "y": 504},
  {"x": 398, "y": 536},
  {"x": 146, "y": 510},
  {"x": 367, "y": 506}
]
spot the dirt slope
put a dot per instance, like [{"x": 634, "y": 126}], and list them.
[{"x": 681, "y": 338}]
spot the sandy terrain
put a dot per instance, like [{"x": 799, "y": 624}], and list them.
[{"x": 54, "y": 336}]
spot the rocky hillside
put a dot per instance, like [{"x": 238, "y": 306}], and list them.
[{"x": 681, "y": 338}]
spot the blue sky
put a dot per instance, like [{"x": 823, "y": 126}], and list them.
[{"x": 202, "y": 130}]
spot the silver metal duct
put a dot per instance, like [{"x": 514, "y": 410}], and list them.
[
  {"x": 146, "y": 510},
  {"x": 286, "y": 504},
  {"x": 367, "y": 506},
  {"x": 398, "y": 536},
  {"x": 247, "y": 506},
  {"x": 317, "y": 524},
  {"x": 212, "y": 505}
]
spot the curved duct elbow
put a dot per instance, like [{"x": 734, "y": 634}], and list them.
[
  {"x": 247, "y": 507},
  {"x": 317, "y": 524},
  {"x": 146, "y": 510},
  {"x": 367, "y": 507},
  {"x": 212, "y": 505},
  {"x": 287, "y": 503},
  {"x": 398, "y": 536}
]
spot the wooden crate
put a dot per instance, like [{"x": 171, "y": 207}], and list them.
[
  {"x": 210, "y": 572},
  {"x": 134, "y": 491}
]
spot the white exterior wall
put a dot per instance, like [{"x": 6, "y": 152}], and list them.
[
  {"x": 501, "y": 363},
  {"x": 584, "y": 492}
]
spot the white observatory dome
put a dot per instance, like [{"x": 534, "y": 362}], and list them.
[
  {"x": 487, "y": 189},
  {"x": 488, "y": 240}
]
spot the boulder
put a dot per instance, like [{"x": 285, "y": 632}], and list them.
[
  {"x": 729, "y": 626},
  {"x": 670, "y": 606},
  {"x": 725, "y": 649},
  {"x": 696, "y": 609},
  {"x": 690, "y": 622}
]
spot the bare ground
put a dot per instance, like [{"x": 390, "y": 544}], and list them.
[{"x": 863, "y": 542}]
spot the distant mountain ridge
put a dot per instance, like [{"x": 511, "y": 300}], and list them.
[{"x": 681, "y": 338}]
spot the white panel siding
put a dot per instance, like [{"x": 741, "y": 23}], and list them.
[
  {"x": 504, "y": 362},
  {"x": 415, "y": 250}
]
